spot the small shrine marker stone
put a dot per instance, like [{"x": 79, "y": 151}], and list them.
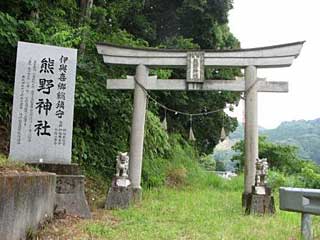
[{"x": 42, "y": 115}]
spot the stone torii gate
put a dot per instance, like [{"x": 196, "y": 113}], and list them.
[{"x": 195, "y": 61}]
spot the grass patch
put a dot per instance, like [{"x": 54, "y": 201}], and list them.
[
  {"x": 95, "y": 191},
  {"x": 9, "y": 166},
  {"x": 212, "y": 212}
]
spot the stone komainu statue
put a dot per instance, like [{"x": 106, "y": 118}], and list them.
[
  {"x": 261, "y": 171},
  {"x": 260, "y": 200},
  {"x": 122, "y": 165}
]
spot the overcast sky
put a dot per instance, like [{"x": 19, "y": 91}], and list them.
[{"x": 258, "y": 23}]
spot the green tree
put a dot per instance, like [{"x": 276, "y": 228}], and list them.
[
  {"x": 101, "y": 117},
  {"x": 280, "y": 157}
]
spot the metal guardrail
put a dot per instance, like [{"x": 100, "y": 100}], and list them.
[{"x": 303, "y": 200}]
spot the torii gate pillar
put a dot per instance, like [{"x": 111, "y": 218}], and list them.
[
  {"x": 251, "y": 129},
  {"x": 137, "y": 130}
]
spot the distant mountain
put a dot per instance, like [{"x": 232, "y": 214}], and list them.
[
  {"x": 238, "y": 134},
  {"x": 305, "y": 134}
]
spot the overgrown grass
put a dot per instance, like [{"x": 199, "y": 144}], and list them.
[
  {"x": 178, "y": 167},
  {"x": 95, "y": 191},
  {"x": 9, "y": 165},
  {"x": 211, "y": 212}
]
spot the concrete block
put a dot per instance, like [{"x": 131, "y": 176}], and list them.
[
  {"x": 119, "y": 197},
  {"x": 70, "y": 197},
  {"x": 26, "y": 200},
  {"x": 260, "y": 204}
]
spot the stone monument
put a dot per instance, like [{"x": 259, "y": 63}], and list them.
[
  {"x": 42, "y": 115},
  {"x": 261, "y": 200},
  {"x": 42, "y": 119},
  {"x": 120, "y": 194}
]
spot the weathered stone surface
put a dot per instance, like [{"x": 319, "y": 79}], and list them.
[
  {"x": 259, "y": 200},
  {"x": 137, "y": 128},
  {"x": 60, "y": 169},
  {"x": 251, "y": 128},
  {"x": 122, "y": 197},
  {"x": 137, "y": 195},
  {"x": 208, "y": 85},
  {"x": 260, "y": 204},
  {"x": 122, "y": 166},
  {"x": 261, "y": 190},
  {"x": 245, "y": 199},
  {"x": 119, "y": 197},
  {"x": 195, "y": 70},
  {"x": 26, "y": 200},
  {"x": 123, "y": 182},
  {"x": 272, "y": 56},
  {"x": 70, "y": 197}
]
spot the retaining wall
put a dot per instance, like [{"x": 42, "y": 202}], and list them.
[{"x": 25, "y": 201}]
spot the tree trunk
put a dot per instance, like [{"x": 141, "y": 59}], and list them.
[{"x": 85, "y": 6}]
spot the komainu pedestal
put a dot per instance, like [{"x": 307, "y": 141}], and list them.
[
  {"x": 260, "y": 200},
  {"x": 260, "y": 203},
  {"x": 121, "y": 194}
]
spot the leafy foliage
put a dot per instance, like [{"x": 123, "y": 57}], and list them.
[
  {"x": 304, "y": 134},
  {"x": 208, "y": 162},
  {"x": 102, "y": 118},
  {"x": 279, "y": 156},
  {"x": 287, "y": 168},
  {"x": 8, "y": 166}
]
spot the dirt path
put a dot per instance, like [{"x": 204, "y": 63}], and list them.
[{"x": 73, "y": 228}]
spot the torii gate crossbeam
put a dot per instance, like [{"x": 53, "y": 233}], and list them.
[{"x": 195, "y": 61}]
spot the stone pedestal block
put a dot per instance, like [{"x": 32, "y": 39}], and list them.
[
  {"x": 136, "y": 195},
  {"x": 245, "y": 199},
  {"x": 122, "y": 197},
  {"x": 70, "y": 197},
  {"x": 260, "y": 204},
  {"x": 119, "y": 197},
  {"x": 26, "y": 200},
  {"x": 59, "y": 169}
]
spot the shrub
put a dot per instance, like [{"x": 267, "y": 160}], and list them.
[
  {"x": 278, "y": 179},
  {"x": 176, "y": 177},
  {"x": 310, "y": 177},
  {"x": 207, "y": 162},
  {"x": 7, "y": 165}
]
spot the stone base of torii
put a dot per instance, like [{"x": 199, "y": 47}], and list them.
[{"x": 195, "y": 60}]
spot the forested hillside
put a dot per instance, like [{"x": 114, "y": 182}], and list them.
[
  {"x": 103, "y": 118},
  {"x": 305, "y": 134}
]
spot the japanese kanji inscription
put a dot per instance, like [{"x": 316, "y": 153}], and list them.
[{"x": 42, "y": 115}]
